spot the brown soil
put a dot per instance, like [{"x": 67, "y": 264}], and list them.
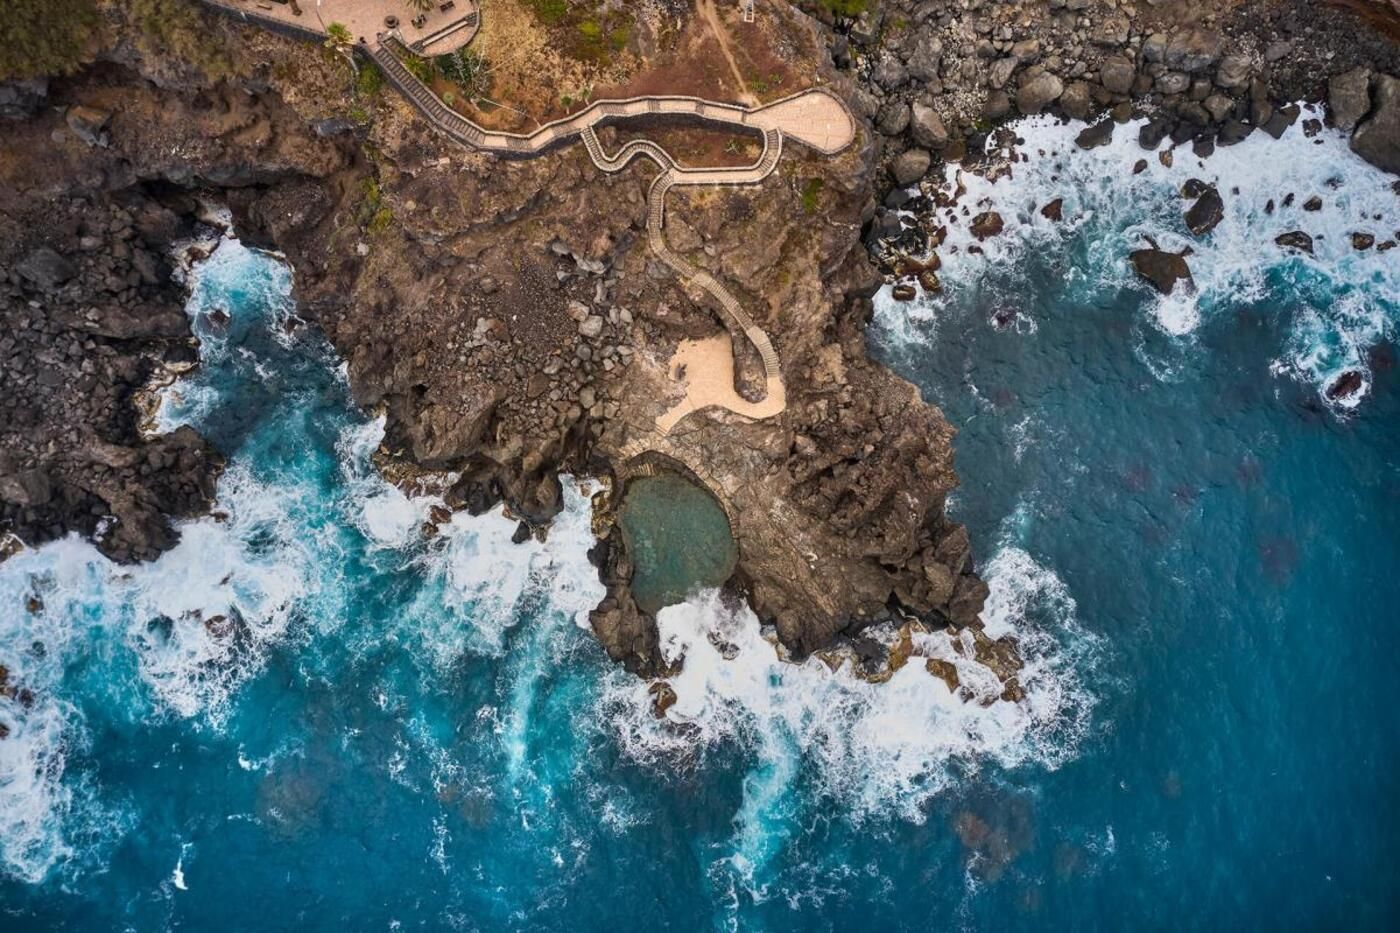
[{"x": 692, "y": 147}]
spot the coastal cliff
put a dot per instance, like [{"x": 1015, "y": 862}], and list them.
[{"x": 506, "y": 316}]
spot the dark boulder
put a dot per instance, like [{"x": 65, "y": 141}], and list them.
[
  {"x": 1206, "y": 213},
  {"x": 1054, "y": 210},
  {"x": 1092, "y": 137},
  {"x": 1378, "y": 139},
  {"x": 1349, "y": 98},
  {"x": 1161, "y": 268},
  {"x": 45, "y": 269},
  {"x": 986, "y": 224},
  {"x": 1295, "y": 239},
  {"x": 1345, "y": 386}
]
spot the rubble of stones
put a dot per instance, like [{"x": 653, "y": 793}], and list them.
[
  {"x": 936, "y": 76},
  {"x": 88, "y": 317}
]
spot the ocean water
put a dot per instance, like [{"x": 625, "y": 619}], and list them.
[{"x": 312, "y": 716}]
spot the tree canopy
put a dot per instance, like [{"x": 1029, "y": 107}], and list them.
[{"x": 44, "y": 37}]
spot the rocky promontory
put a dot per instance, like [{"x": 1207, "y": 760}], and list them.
[{"x": 507, "y": 316}]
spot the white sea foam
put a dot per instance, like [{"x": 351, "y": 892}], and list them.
[
  {"x": 1340, "y": 301},
  {"x": 876, "y": 750},
  {"x": 477, "y": 582}
]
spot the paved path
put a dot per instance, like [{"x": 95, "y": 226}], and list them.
[
  {"x": 442, "y": 31},
  {"x": 814, "y": 118}
]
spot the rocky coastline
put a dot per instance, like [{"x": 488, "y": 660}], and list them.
[{"x": 507, "y": 319}]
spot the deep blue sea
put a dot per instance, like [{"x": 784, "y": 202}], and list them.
[{"x": 308, "y": 716}]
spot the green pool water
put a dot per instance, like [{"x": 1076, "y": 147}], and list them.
[{"x": 679, "y": 539}]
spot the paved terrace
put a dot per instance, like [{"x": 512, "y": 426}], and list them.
[{"x": 438, "y": 32}]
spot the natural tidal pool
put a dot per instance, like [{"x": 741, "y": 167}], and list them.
[
  {"x": 679, "y": 539},
  {"x": 382, "y": 731}
]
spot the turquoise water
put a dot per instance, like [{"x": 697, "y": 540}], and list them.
[
  {"x": 678, "y": 537},
  {"x": 310, "y": 716}
]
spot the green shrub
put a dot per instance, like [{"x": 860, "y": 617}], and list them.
[
  {"x": 550, "y": 11},
  {"x": 44, "y": 37},
  {"x": 844, "y": 7},
  {"x": 811, "y": 191},
  {"x": 369, "y": 81},
  {"x": 176, "y": 28},
  {"x": 421, "y": 68}
]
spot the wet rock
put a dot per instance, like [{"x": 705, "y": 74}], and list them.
[
  {"x": 663, "y": 697},
  {"x": 911, "y": 166},
  {"x": 1377, "y": 140},
  {"x": 1053, "y": 210},
  {"x": 521, "y": 534},
  {"x": 1295, "y": 239},
  {"x": 1345, "y": 386},
  {"x": 1362, "y": 241},
  {"x": 1206, "y": 213},
  {"x": 944, "y": 671},
  {"x": 1161, "y": 268},
  {"x": 1313, "y": 204},
  {"x": 1232, "y": 132},
  {"x": 1283, "y": 118},
  {"x": 987, "y": 224},
  {"x": 1139, "y": 166},
  {"x": 1349, "y": 98},
  {"x": 904, "y": 291},
  {"x": 1039, "y": 92},
  {"x": 1092, "y": 137}
]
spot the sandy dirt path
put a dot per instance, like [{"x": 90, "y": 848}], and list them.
[{"x": 707, "y": 10}]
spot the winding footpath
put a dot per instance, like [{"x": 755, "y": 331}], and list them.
[{"x": 815, "y": 118}]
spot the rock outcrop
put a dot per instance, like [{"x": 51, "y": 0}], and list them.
[
  {"x": 1377, "y": 140},
  {"x": 506, "y": 316}
]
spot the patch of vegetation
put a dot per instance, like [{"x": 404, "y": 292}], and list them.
[
  {"x": 374, "y": 215},
  {"x": 811, "y": 192},
  {"x": 421, "y": 68},
  {"x": 44, "y": 37},
  {"x": 550, "y": 11},
  {"x": 468, "y": 69},
  {"x": 369, "y": 81},
  {"x": 844, "y": 7},
  {"x": 176, "y": 28}
]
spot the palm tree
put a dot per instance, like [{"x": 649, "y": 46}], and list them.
[
  {"x": 422, "y": 6},
  {"x": 339, "y": 40}
]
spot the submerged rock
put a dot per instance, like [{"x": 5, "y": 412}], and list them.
[{"x": 1345, "y": 386}]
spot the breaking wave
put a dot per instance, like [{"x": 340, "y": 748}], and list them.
[{"x": 1339, "y": 301}]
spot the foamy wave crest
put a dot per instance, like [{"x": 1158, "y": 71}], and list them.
[
  {"x": 478, "y": 584},
  {"x": 232, "y": 284},
  {"x": 385, "y": 515},
  {"x": 875, "y": 749},
  {"x": 50, "y": 814},
  {"x": 1109, "y": 211}
]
